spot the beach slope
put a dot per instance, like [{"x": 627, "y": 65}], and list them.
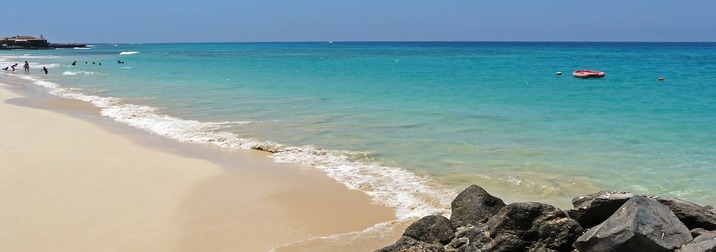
[{"x": 70, "y": 184}]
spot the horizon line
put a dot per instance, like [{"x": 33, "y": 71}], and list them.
[{"x": 398, "y": 41}]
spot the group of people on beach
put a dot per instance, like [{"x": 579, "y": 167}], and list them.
[{"x": 26, "y": 66}]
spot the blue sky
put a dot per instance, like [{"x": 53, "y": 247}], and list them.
[{"x": 147, "y": 21}]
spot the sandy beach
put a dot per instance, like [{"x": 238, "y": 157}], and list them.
[{"x": 71, "y": 180}]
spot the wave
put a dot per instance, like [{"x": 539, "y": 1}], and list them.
[
  {"x": 409, "y": 194},
  {"x": 82, "y": 48},
  {"x": 52, "y": 65},
  {"x": 24, "y": 57},
  {"x": 8, "y": 60},
  {"x": 336, "y": 242},
  {"x": 128, "y": 53},
  {"x": 30, "y": 56},
  {"x": 71, "y": 73}
]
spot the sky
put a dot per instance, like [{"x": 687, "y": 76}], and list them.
[{"x": 165, "y": 21}]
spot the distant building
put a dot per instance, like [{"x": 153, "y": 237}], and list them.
[
  {"x": 24, "y": 42},
  {"x": 30, "y": 42}
]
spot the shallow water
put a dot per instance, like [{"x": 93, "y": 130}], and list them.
[{"x": 411, "y": 123}]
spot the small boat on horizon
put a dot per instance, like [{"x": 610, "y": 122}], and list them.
[{"x": 588, "y": 74}]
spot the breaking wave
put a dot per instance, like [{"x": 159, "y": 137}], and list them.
[
  {"x": 72, "y": 73},
  {"x": 411, "y": 195}
]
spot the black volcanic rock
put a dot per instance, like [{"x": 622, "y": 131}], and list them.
[
  {"x": 430, "y": 233},
  {"x": 431, "y": 229},
  {"x": 703, "y": 243},
  {"x": 473, "y": 206},
  {"x": 641, "y": 224},
  {"x": 471, "y": 238},
  {"x": 409, "y": 244},
  {"x": 691, "y": 214},
  {"x": 590, "y": 210},
  {"x": 532, "y": 227},
  {"x": 620, "y": 221}
]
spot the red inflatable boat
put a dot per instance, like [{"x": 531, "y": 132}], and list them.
[{"x": 588, "y": 74}]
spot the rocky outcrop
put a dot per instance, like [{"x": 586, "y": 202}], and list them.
[
  {"x": 590, "y": 210},
  {"x": 703, "y": 243},
  {"x": 473, "y": 206},
  {"x": 641, "y": 224},
  {"x": 691, "y": 214},
  {"x": 520, "y": 227},
  {"x": 430, "y": 233},
  {"x": 432, "y": 229},
  {"x": 409, "y": 244},
  {"x": 604, "y": 221},
  {"x": 532, "y": 227}
]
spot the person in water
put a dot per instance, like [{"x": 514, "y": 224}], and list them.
[
  {"x": 27, "y": 67},
  {"x": 44, "y": 69},
  {"x": 74, "y": 63}
]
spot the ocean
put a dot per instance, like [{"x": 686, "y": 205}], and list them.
[{"x": 413, "y": 123}]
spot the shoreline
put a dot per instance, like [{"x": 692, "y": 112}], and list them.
[{"x": 126, "y": 189}]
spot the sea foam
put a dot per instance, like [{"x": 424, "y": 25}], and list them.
[
  {"x": 72, "y": 73},
  {"x": 411, "y": 195}
]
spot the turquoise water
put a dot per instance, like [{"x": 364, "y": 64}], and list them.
[{"x": 411, "y": 123}]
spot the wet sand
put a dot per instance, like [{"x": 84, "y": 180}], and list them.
[{"x": 71, "y": 180}]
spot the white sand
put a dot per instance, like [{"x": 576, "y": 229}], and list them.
[{"x": 68, "y": 183}]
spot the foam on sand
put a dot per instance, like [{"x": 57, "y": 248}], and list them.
[
  {"x": 106, "y": 191},
  {"x": 411, "y": 195}
]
